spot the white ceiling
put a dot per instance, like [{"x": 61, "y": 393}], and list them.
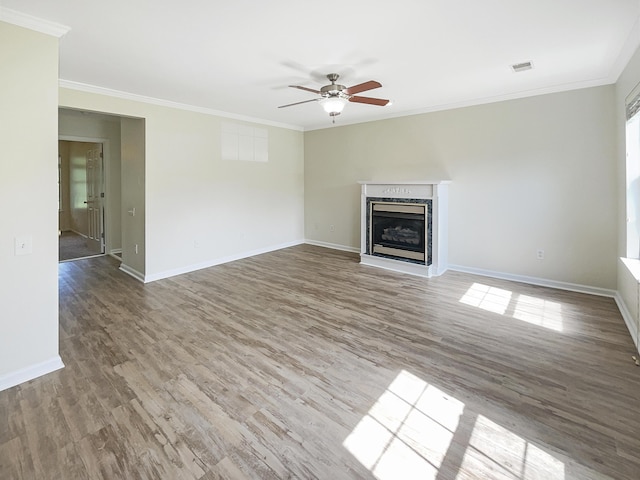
[{"x": 238, "y": 56}]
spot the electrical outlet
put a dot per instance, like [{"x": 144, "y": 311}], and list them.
[
  {"x": 332, "y": 228},
  {"x": 540, "y": 254}
]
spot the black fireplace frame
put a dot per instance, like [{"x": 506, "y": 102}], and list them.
[{"x": 429, "y": 223}]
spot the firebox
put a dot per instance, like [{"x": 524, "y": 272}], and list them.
[
  {"x": 403, "y": 225},
  {"x": 399, "y": 230}
]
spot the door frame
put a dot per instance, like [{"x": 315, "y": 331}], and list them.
[{"x": 106, "y": 154}]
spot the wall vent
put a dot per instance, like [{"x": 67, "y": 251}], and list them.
[{"x": 521, "y": 67}]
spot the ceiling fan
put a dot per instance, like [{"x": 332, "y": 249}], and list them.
[{"x": 334, "y": 97}]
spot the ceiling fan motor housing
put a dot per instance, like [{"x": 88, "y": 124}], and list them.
[{"x": 333, "y": 90}]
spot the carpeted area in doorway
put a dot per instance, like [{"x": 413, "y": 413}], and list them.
[{"x": 72, "y": 245}]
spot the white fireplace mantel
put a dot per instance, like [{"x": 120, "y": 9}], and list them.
[{"x": 437, "y": 191}]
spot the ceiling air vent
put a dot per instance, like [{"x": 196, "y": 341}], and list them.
[{"x": 521, "y": 67}]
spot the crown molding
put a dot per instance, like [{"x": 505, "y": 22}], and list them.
[
  {"x": 472, "y": 102},
  {"x": 33, "y": 23},
  {"x": 84, "y": 87}
]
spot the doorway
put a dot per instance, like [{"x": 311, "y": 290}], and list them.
[
  {"x": 81, "y": 199},
  {"x": 123, "y": 143}
]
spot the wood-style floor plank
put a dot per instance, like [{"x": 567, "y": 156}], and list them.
[{"x": 302, "y": 363}]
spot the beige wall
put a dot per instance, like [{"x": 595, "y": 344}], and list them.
[
  {"x": 28, "y": 194},
  {"x": 199, "y": 209},
  {"x": 64, "y": 221},
  {"x": 133, "y": 196},
  {"x": 528, "y": 174}
]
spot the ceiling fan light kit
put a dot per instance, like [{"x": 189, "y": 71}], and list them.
[
  {"x": 334, "y": 97},
  {"x": 333, "y": 105}
]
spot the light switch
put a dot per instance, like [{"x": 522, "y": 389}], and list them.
[{"x": 24, "y": 245}]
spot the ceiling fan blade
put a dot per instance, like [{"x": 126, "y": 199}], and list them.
[
  {"x": 305, "y": 88},
  {"x": 298, "y": 103},
  {"x": 363, "y": 87},
  {"x": 368, "y": 100}
]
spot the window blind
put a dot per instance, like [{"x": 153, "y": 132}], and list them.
[{"x": 633, "y": 102}]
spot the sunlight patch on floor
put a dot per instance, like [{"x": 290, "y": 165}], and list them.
[
  {"x": 533, "y": 310},
  {"x": 487, "y": 298},
  {"x": 496, "y": 452},
  {"x": 408, "y": 430},
  {"x": 415, "y": 430},
  {"x": 539, "y": 311}
]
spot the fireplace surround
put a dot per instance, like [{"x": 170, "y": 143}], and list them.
[{"x": 404, "y": 226}]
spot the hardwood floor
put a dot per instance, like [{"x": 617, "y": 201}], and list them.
[{"x": 301, "y": 363}]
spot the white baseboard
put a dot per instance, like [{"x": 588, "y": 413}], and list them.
[
  {"x": 543, "y": 282},
  {"x": 628, "y": 319},
  {"x": 132, "y": 272},
  {"x": 29, "y": 373},
  {"x": 217, "y": 261},
  {"x": 603, "y": 292},
  {"x": 77, "y": 233},
  {"x": 333, "y": 246}
]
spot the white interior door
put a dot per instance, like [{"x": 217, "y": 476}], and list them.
[{"x": 95, "y": 197}]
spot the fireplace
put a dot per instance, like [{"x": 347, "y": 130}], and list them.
[
  {"x": 404, "y": 226},
  {"x": 398, "y": 229}
]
